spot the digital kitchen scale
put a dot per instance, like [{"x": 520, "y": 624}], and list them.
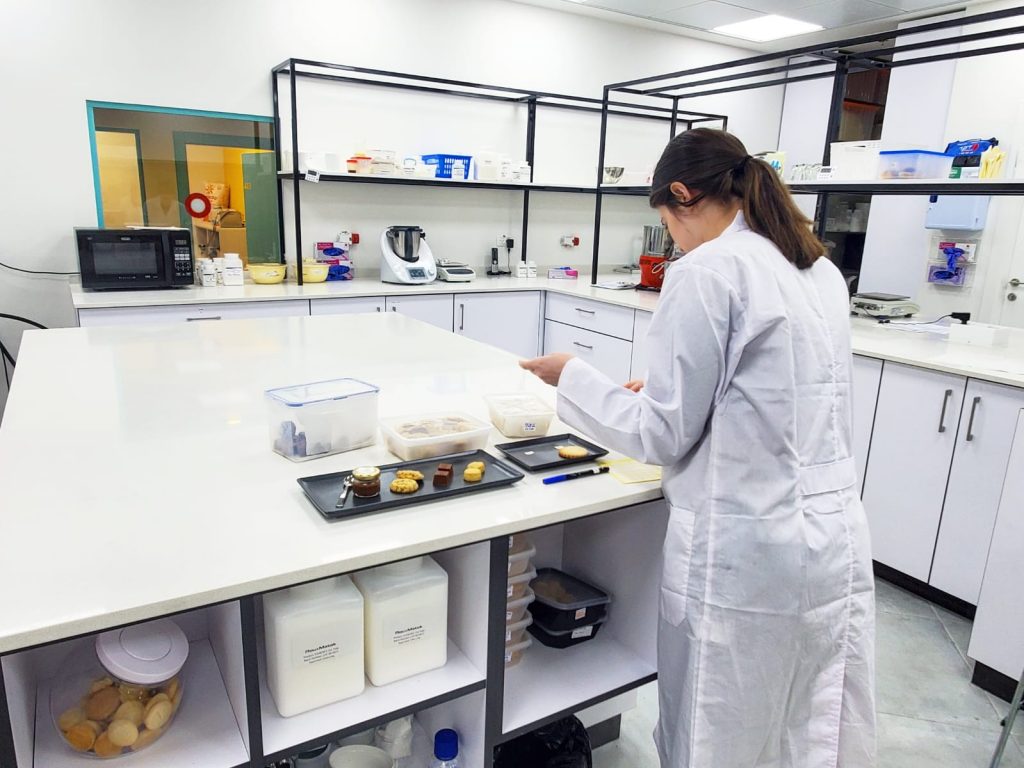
[
  {"x": 454, "y": 272},
  {"x": 882, "y": 305}
]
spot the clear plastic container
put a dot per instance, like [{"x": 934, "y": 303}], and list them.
[
  {"x": 422, "y": 437},
  {"x": 519, "y": 563},
  {"x": 119, "y": 693},
  {"x": 518, "y": 542},
  {"x": 520, "y": 415},
  {"x": 913, "y": 164},
  {"x": 854, "y": 160},
  {"x": 518, "y": 585},
  {"x": 319, "y": 419},
  {"x": 565, "y": 603},
  {"x": 515, "y": 632},
  {"x": 516, "y": 609},
  {"x": 514, "y": 653}
]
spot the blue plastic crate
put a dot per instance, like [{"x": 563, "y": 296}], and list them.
[{"x": 444, "y": 163}]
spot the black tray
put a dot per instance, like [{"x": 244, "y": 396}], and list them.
[
  {"x": 564, "y": 639},
  {"x": 323, "y": 490},
  {"x": 541, "y": 453}
]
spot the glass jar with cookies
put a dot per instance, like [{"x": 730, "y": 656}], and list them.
[{"x": 118, "y": 694}]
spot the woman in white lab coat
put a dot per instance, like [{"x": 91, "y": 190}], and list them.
[{"x": 766, "y": 637}]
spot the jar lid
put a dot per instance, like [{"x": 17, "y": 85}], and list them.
[
  {"x": 365, "y": 474},
  {"x": 144, "y": 654}
]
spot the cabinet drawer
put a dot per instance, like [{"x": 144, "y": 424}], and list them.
[
  {"x": 356, "y": 305},
  {"x": 592, "y": 315},
  {"x": 609, "y": 355},
  {"x": 181, "y": 313}
]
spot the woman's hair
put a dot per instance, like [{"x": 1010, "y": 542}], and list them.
[{"x": 715, "y": 166}]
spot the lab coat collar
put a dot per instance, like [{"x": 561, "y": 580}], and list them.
[{"x": 739, "y": 224}]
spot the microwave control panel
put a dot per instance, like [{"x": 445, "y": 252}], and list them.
[{"x": 182, "y": 250}]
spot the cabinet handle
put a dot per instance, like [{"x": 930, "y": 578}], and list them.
[
  {"x": 970, "y": 422},
  {"x": 196, "y": 319},
  {"x": 942, "y": 416},
  {"x": 584, "y": 346},
  {"x": 379, "y": 309},
  {"x": 394, "y": 309},
  {"x": 586, "y": 311},
  {"x": 462, "y": 317}
]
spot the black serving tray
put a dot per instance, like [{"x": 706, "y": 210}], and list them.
[
  {"x": 323, "y": 490},
  {"x": 541, "y": 453}
]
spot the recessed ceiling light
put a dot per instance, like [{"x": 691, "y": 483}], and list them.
[{"x": 765, "y": 28}]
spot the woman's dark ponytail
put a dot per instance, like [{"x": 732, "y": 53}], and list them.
[{"x": 715, "y": 166}]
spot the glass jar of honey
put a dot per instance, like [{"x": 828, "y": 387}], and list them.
[{"x": 366, "y": 482}]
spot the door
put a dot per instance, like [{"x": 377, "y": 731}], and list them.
[
  {"x": 911, "y": 451},
  {"x": 436, "y": 309},
  {"x": 609, "y": 355},
  {"x": 259, "y": 192},
  {"x": 867, "y": 373},
  {"x": 987, "y": 427},
  {"x": 509, "y": 321},
  {"x": 997, "y": 638},
  {"x": 357, "y": 305},
  {"x": 638, "y": 365},
  {"x": 122, "y": 187}
]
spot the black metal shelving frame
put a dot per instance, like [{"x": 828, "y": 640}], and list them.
[
  {"x": 532, "y": 100},
  {"x": 834, "y": 60}
]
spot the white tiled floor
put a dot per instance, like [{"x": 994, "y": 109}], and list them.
[{"x": 929, "y": 714}]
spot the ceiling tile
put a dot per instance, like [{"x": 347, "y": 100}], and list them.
[
  {"x": 708, "y": 15},
  {"x": 778, "y": 7},
  {"x": 909, "y": 6},
  {"x": 840, "y": 13},
  {"x": 648, "y": 8}
]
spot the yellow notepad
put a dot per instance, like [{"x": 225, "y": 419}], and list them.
[{"x": 630, "y": 471}]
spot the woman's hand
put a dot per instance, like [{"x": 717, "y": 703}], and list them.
[
  {"x": 635, "y": 385},
  {"x": 548, "y": 368}
]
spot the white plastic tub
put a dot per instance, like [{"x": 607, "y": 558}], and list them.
[
  {"x": 519, "y": 585},
  {"x": 520, "y": 415},
  {"x": 854, "y": 160},
  {"x": 514, "y": 653},
  {"x": 515, "y": 631},
  {"x": 515, "y": 610},
  {"x": 312, "y": 420},
  {"x": 519, "y": 563},
  {"x": 422, "y": 437}
]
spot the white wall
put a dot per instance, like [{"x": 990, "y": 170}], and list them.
[{"x": 218, "y": 56}]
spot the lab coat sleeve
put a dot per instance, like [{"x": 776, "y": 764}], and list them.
[{"x": 688, "y": 349}]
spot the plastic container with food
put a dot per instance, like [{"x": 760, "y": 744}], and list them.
[
  {"x": 519, "y": 563},
  {"x": 518, "y": 585},
  {"x": 564, "y": 638},
  {"x": 515, "y": 631},
  {"x": 514, "y": 653},
  {"x": 422, "y": 437},
  {"x": 515, "y": 610},
  {"x": 914, "y": 164},
  {"x": 564, "y": 602},
  {"x": 312, "y": 420},
  {"x": 520, "y": 415},
  {"x": 118, "y": 693},
  {"x": 267, "y": 274}
]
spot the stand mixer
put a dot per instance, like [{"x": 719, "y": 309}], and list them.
[{"x": 405, "y": 256}]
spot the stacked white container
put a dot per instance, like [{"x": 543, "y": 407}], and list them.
[{"x": 520, "y": 573}]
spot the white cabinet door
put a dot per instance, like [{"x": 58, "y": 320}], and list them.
[
  {"x": 867, "y": 372},
  {"x": 179, "y": 313},
  {"x": 593, "y": 315},
  {"x": 638, "y": 366},
  {"x": 357, "y": 305},
  {"x": 435, "y": 309},
  {"x": 509, "y": 321},
  {"x": 609, "y": 355},
  {"x": 983, "y": 443},
  {"x": 911, "y": 450},
  {"x": 997, "y": 638}
]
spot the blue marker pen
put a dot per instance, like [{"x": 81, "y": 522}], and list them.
[{"x": 574, "y": 475}]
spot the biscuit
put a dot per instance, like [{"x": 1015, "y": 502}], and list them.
[
  {"x": 146, "y": 737},
  {"x": 156, "y": 700},
  {"x": 123, "y": 733},
  {"x": 572, "y": 451},
  {"x": 409, "y": 474},
  {"x": 69, "y": 718},
  {"x": 104, "y": 747},
  {"x": 82, "y": 736},
  {"x": 404, "y": 485},
  {"x": 472, "y": 475},
  {"x": 477, "y": 465},
  {"x": 158, "y": 715},
  {"x": 102, "y": 704},
  {"x": 132, "y": 711},
  {"x": 99, "y": 685},
  {"x": 172, "y": 687}
]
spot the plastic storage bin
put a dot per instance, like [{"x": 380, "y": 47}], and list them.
[
  {"x": 854, "y": 160},
  {"x": 444, "y": 163},
  {"x": 913, "y": 164},
  {"x": 422, "y": 437},
  {"x": 322, "y": 418},
  {"x": 520, "y": 415},
  {"x": 565, "y": 638},
  {"x": 515, "y": 631},
  {"x": 518, "y": 585},
  {"x": 519, "y": 563},
  {"x": 516, "y": 609},
  {"x": 118, "y": 693},
  {"x": 565, "y": 603},
  {"x": 514, "y": 653}
]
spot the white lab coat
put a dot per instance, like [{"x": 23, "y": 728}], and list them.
[{"x": 766, "y": 637}]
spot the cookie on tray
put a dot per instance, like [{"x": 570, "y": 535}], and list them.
[
  {"x": 404, "y": 485},
  {"x": 572, "y": 451}
]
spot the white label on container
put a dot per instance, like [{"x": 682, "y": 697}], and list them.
[
  {"x": 508, "y": 635},
  {"x": 508, "y": 656},
  {"x": 529, "y": 427},
  {"x": 581, "y": 613},
  {"x": 408, "y": 629},
  {"x": 582, "y": 632},
  {"x": 314, "y": 648},
  {"x": 508, "y": 615},
  {"x": 510, "y": 589}
]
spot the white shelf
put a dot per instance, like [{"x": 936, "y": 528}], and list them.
[
  {"x": 204, "y": 733},
  {"x": 552, "y": 680},
  {"x": 281, "y": 733}
]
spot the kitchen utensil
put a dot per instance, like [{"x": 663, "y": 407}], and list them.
[
  {"x": 346, "y": 487},
  {"x": 406, "y": 257},
  {"x": 267, "y": 274},
  {"x": 655, "y": 239},
  {"x": 314, "y": 273}
]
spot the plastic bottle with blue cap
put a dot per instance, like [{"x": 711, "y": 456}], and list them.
[{"x": 446, "y": 749}]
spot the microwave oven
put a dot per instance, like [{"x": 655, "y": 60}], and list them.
[{"x": 130, "y": 259}]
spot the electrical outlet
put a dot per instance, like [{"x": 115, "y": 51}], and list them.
[
  {"x": 500, "y": 240},
  {"x": 570, "y": 241}
]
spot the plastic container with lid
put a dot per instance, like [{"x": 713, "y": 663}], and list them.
[
  {"x": 422, "y": 437},
  {"x": 514, "y": 653},
  {"x": 913, "y": 164},
  {"x": 564, "y": 602},
  {"x": 518, "y": 585},
  {"x": 520, "y": 415},
  {"x": 325, "y": 417},
  {"x": 406, "y": 618},
  {"x": 854, "y": 160},
  {"x": 565, "y": 638},
  {"x": 514, "y": 631},
  {"x": 516, "y": 609},
  {"x": 314, "y": 636},
  {"x": 119, "y": 693},
  {"x": 233, "y": 269},
  {"x": 361, "y": 756},
  {"x": 519, "y": 563}
]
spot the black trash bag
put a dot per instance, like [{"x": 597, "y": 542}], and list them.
[{"x": 562, "y": 744}]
